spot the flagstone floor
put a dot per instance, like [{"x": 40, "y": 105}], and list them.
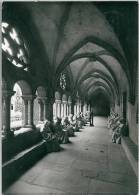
[{"x": 90, "y": 164}]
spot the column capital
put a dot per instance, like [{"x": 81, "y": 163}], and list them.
[
  {"x": 69, "y": 103},
  {"x": 58, "y": 101},
  {"x": 64, "y": 102},
  {"x": 28, "y": 97},
  {"x": 42, "y": 100}
]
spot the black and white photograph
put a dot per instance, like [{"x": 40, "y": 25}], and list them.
[{"x": 69, "y": 97}]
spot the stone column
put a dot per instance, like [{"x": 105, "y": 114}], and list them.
[
  {"x": 89, "y": 107},
  {"x": 62, "y": 110},
  {"x": 45, "y": 107},
  {"x": 6, "y": 97},
  {"x": 58, "y": 104},
  {"x": 77, "y": 108},
  {"x": 50, "y": 110},
  {"x": 80, "y": 106},
  {"x": 55, "y": 109},
  {"x": 65, "y": 108},
  {"x": 40, "y": 109},
  {"x": 69, "y": 103},
  {"x": 67, "y": 113},
  {"x": 74, "y": 109},
  {"x": 84, "y": 108},
  {"x": 25, "y": 111},
  {"x": 28, "y": 111}
]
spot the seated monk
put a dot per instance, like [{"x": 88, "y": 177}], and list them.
[
  {"x": 87, "y": 116},
  {"x": 82, "y": 118},
  {"x": 116, "y": 136},
  {"x": 110, "y": 118},
  {"x": 62, "y": 134},
  {"x": 118, "y": 132},
  {"x": 68, "y": 127},
  {"x": 73, "y": 122},
  {"x": 76, "y": 123},
  {"x": 115, "y": 125},
  {"x": 111, "y": 121},
  {"x": 79, "y": 119},
  {"x": 50, "y": 137},
  {"x": 114, "y": 120}
]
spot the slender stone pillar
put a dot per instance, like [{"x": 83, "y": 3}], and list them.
[
  {"x": 30, "y": 120},
  {"x": 28, "y": 111},
  {"x": 58, "y": 103},
  {"x": 62, "y": 110},
  {"x": 6, "y": 97},
  {"x": 74, "y": 109},
  {"x": 44, "y": 110},
  {"x": 25, "y": 112},
  {"x": 80, "y": 106},
  {"x": 50, "y": 110},
  {"x": 56, "y": 109},
  {"x": 67, "y": 111},
  {"x": 69, "y": 103},
  {"x": 41, "y": 109},
  {"x": 45, "y": 107},
  {"x": 88, "y": 107},
  {"x": 84, "y": 108},
  {"x": 77, "y": 109},
  {"x": 65, "y": 108}
]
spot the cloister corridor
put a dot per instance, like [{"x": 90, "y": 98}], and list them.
[{"x": 90, "y": 164}]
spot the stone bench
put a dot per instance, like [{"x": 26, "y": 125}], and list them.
[
  {"x": 23, "y": 139},
  {"x": 14, "y": 167},
  {"x": 131, "y": 151}
]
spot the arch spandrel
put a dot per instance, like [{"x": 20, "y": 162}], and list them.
[{"x": 25, "y": 87}]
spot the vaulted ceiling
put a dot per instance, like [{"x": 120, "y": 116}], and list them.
[{"x": 79, "y": 37}]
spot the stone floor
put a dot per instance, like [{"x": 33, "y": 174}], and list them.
[{"x": 90, "y": 164}]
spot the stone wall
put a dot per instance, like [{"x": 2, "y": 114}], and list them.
[{"x": 132, "y": 122}]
